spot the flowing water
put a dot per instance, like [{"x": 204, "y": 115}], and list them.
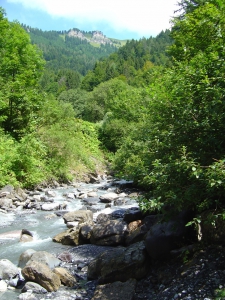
[{"x": 44, "y": 227}]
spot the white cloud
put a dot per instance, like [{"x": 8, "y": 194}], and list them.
[{"x": 142, "y": 17}]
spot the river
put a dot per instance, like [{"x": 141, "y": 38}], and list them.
[{"x": 44, "y": 225}]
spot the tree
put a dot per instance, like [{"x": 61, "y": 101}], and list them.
[
  {"x": 20, "y": 69},
  {"x": 177, "y": 149}
]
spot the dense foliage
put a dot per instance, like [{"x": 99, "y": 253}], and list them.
[
  {"x": 40, "y": 137},
  {"x": 177, "y": 148}
]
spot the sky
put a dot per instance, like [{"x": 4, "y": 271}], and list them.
[{"x": 121, "y": 19}]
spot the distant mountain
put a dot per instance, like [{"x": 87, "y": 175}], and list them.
[{"x": 74, "y": 49}]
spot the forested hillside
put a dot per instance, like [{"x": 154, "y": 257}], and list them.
[
  {"x": 155, "y": 108},
  {"x": 62, "y": 51}
]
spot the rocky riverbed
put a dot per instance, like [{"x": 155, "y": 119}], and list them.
[{"x": 102, "y": 247}]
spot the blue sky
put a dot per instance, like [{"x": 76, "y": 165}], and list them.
[{"x": 122, "y": 19}]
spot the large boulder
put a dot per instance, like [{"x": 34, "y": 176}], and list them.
[
  {"x": 34, "y": 287},
  {"x": 163, "y": 237},
  {"x": 108, "y": 197},
  {"x": 66, "y": 278},
  {"x": 80, "y": 216},
  {"x": 110, "y": 233},
  {"x": 45, "y": 258},
  {"x": 120, "y": 264},
  {"x": 116, "y": 291},
  {"x": 41, "y": 274},
  {"x": 8, "y": 269},
  {"x": 68, "y": 237},
  {"x": 25, "y": 257}
]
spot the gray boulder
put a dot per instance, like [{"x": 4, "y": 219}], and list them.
[
  {"x": 50, "y": 206},
  {"x": 116, "y": 291},
  {"x": 166, "y": 236},
  {"x": 108, "y": 197},
  {"x": 45, "y": 258},
  {"x": 120, "y": 264},
  {"x": 80, "y": 216},
  {"x": 110, "y": 233},
  {"x": 25, "y": 257},
  {"x": 34, "y": 287},
  {"x": 8, "y": 269}
]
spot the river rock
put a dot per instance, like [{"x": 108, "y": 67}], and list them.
[
  {"x": 25, "y": 257},
  {"x": 50, "y": 193},
  {"x": 45, "y": 258},
  {"x": 50, "y": 206},
  {"x": 26, "y": 236},
  {"x": 91, "y": 201},
  {"x": 3, "y": 286},
  {"x": 110, "y": 233},
  {"x": 133, "y": 214},
  {"x": 116, "y": 291},
  {"x": 68, "y": 237},
  {"x": 79, "y": 216},
  {"x": 103, "y": 218},
  {"x": 85, "y": 233},
  {"x": 120, "y": 264},
  {"x": 34, "y": 287},
  {"x": 8, "y": 269},
  {"x": 92, "y": 194},
  {"x": 41, "y": 274},
  {"x": 108, "y": 197},
  {"x": 27, "y": 296},
  {"x": 65, "y": 256},
  {"x": 6, "y": 203},
  {"x": 66, "y": 278}
]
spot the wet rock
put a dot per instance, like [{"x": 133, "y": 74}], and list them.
[
  {"x": 26, "y": 236},
  {"x": 79, "y": 216},
  {"x": 133, "y": 214},
  {"x": 116, "y": 291},
  {"x": 68, "y": 237},
  {"x": 70, "y": 196},
  {"x": 120, "y": 264},
  {"x": 50, "y": 193},
  {"x": 3, "y": 286},
  {"x": 25, "y": 257},
  {"x": 41, "y": 274},
  {"x": 45, "y": 258},
  {"x": 65, "y": 256},
  {"x": 92, "y": 194},
  {"x": 119, "y": 202},
  {"x": 50, "y": 206},
  {"x": 34, "y": 287},
  {"x": 110, "y": 233},
  {"x": 92, "y": 201},
  {"x": 108, "y": 197},
  {"x": 85, "y": 233},
  {"x": 8, "y": 269},
  {"x": 27, "y": 296},
  {"x": 66, "y": 278},
  {"x": 102, "y": 218},
  {"x": 6, "y": 203}
]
